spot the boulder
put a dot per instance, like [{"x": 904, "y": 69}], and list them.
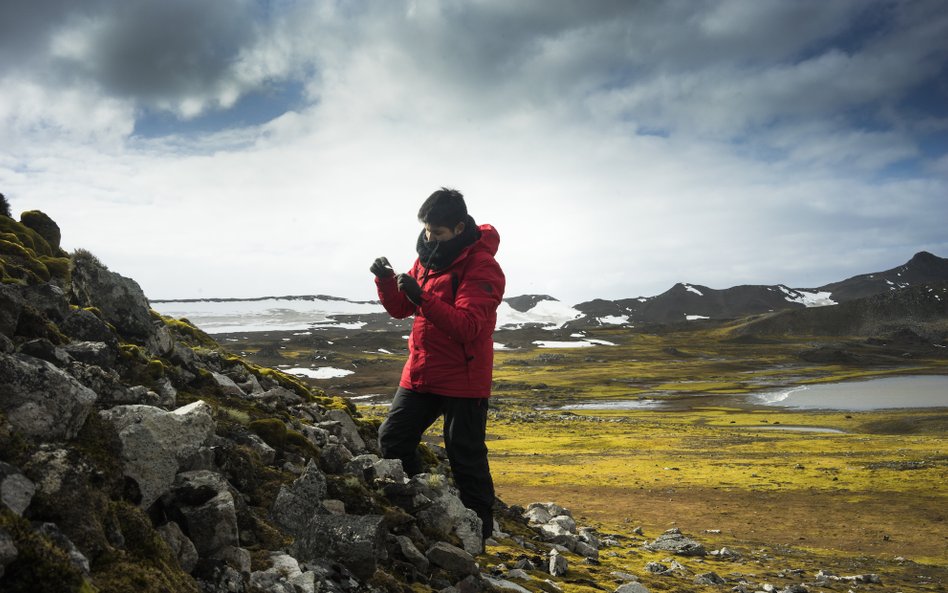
[
  {"x": 709, "y": 578},
  {"x": 155, "y": 442},
  {"x": 558, "y": 564},
  {"x": 439, "y": 510},
  {"x": 120, "y": 299},
  {"x": 411, "y": 553},
  {"x": 452, "y": 559},
  {"x": 48, "y": 299},
  {"x": 297, "y": 503},
  {"x": 92, "y": 353},
  {"x": 16, "y": 490},
  {"x": 44, "y": 226},
  {"x": 182, "y": 547},
  {"x": 227, "y": 385},
  {"x": 355, "y": 541},
  {"x": 41, "y": 400},
  {"x": 673, "y": 541},
  {"x": 350, "y": 432},
  {"x": 334, "y": 457},
  {"x": 206, "y": 504},
  {"x": 45, "y": 350},
  {"x": 83, "y": 325},
  {"x": 76, "y": 557}
]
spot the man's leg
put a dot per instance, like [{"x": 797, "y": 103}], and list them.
[
  {"x": 465, "y": 428},
  {"x": 409, "y": 417}
]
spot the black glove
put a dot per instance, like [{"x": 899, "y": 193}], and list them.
[
  {"x": 381, "y": 268},
  {"x": 409, "y": 286}
]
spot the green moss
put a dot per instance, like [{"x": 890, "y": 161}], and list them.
[
  {"x": 146, "y": 564},
  {"x": 40, "y": 565},
  {"x": 271, "y": 430},
  {"x": 58, "y": 266},
  {"x": 187, "y": 332}
]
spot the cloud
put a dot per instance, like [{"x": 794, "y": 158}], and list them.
[{"x": 618, "y": 147}]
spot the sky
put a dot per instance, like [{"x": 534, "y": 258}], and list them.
[{"x": 243, "y": 148}]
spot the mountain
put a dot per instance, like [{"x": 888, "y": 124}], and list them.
[
  {"x": 923, "y": 268},
  {"x": 688, "y": 302}
]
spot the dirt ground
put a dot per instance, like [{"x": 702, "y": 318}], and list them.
[{"x": 884, "y": 526}]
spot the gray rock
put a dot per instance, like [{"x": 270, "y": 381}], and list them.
[
  {"x": 278, "y": 395},
  {"x": 298, "y": 502},
  {"x": 161, "y": 342},
  {"x": 564, "y": 521},
  {"x": 16, "y": 490},
  {"x": 519, "y": 573},
  {"x": 180, "y": 544},
  {"x": 709, "y": 578},
  {"x": 558, "y": 564},
  {"x": 537, "y": 515},
  {"x": 334, "y": 507},
  {"x": 350, "y": 432},
  {"x": 412, "y": 554},
  {"x": 656, "y": 568},
  {"x": 389, "y": 469},
  {"x": 632, "y": 588},
  {"x": 586, "y": 550},
  {"x": 505, "y": 585},
  {"x": 234, "y": 556},
  {"x": 623, "y": 576},
  {"x": 551, "y": 508},
  {"x": 93, "y": 353},
  {"x": 283, "y": 577},
  {"x": 48, "y": 299},
  {"x": 41, "y": 400},
  {"x": 6, "y": 345},
  {"x": 11, "y": 305},
  {"x": 334, "y": 457},
  {"x": 673, "y": 541},
  {"x": 44, "y": 349},
  {"x": 120, "y": 299},
  {"x": 8, "y": 551},
  {"x": 205, "y": 502},
  {"x": 356, "y": 541},
  {"x": 452, "y": 559},
  {"x": 445, "y": 514},
  {"x": 227, "y": 385},
  {"x": 155, "y": 442},
  {"x": 83, "y": 325}
]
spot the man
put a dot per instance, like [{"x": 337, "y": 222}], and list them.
[{"x": 453, "y": 290}]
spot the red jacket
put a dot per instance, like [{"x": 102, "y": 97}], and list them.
[{"x": 451, "y": 346}]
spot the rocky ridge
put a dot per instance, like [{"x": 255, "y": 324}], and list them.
[{"x": 136, "y": 454}]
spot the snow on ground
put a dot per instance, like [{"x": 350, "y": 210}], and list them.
[
  {"x": 691, "y": 288},
  {"x": 550, "y": 314},
  {"x": 320, "y": 372},
  {"x": 696, "y": 317},
  {"x": 275, "y": 314},
  {"x": 613, "y": 320},
  {"x": 809, "y": 299},
  {"x": 586, "y": 343}
]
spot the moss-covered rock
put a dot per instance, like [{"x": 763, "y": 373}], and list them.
[{"x": 44, "y": 226}]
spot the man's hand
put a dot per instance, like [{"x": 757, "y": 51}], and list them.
[
  {"x": 409, "y": 286},
  {"x": 381, "y": 268}
]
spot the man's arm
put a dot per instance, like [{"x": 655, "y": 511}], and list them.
[
  {"x": 477, "y": 298},
  {"x": 394, "y": 301}
]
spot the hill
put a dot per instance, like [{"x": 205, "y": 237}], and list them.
[{"x": 686, "y": 302}]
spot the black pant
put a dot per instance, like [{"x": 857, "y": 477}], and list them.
[{"x": 465, "y": 427}]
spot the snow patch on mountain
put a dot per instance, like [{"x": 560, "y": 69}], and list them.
[
  {"x": 808, "y": 299},
  {"x": 550, "y": 314}
]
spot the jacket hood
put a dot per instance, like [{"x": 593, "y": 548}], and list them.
[{"x": 489, "y": 241}]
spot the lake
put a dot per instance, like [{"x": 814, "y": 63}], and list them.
[{"x": 911, "y": 391}]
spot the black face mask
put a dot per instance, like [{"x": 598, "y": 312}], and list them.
[{"x": 438, "y": 255}]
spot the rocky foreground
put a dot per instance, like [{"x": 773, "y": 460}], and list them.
[{"x": 138, "y": 455}]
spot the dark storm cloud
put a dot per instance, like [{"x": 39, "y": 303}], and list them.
[
  {"x": 146, "y": 51},
  {"x": 168, "y": 49}
]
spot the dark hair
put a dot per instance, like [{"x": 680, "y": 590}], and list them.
[{"x": 445, "y": 207}]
